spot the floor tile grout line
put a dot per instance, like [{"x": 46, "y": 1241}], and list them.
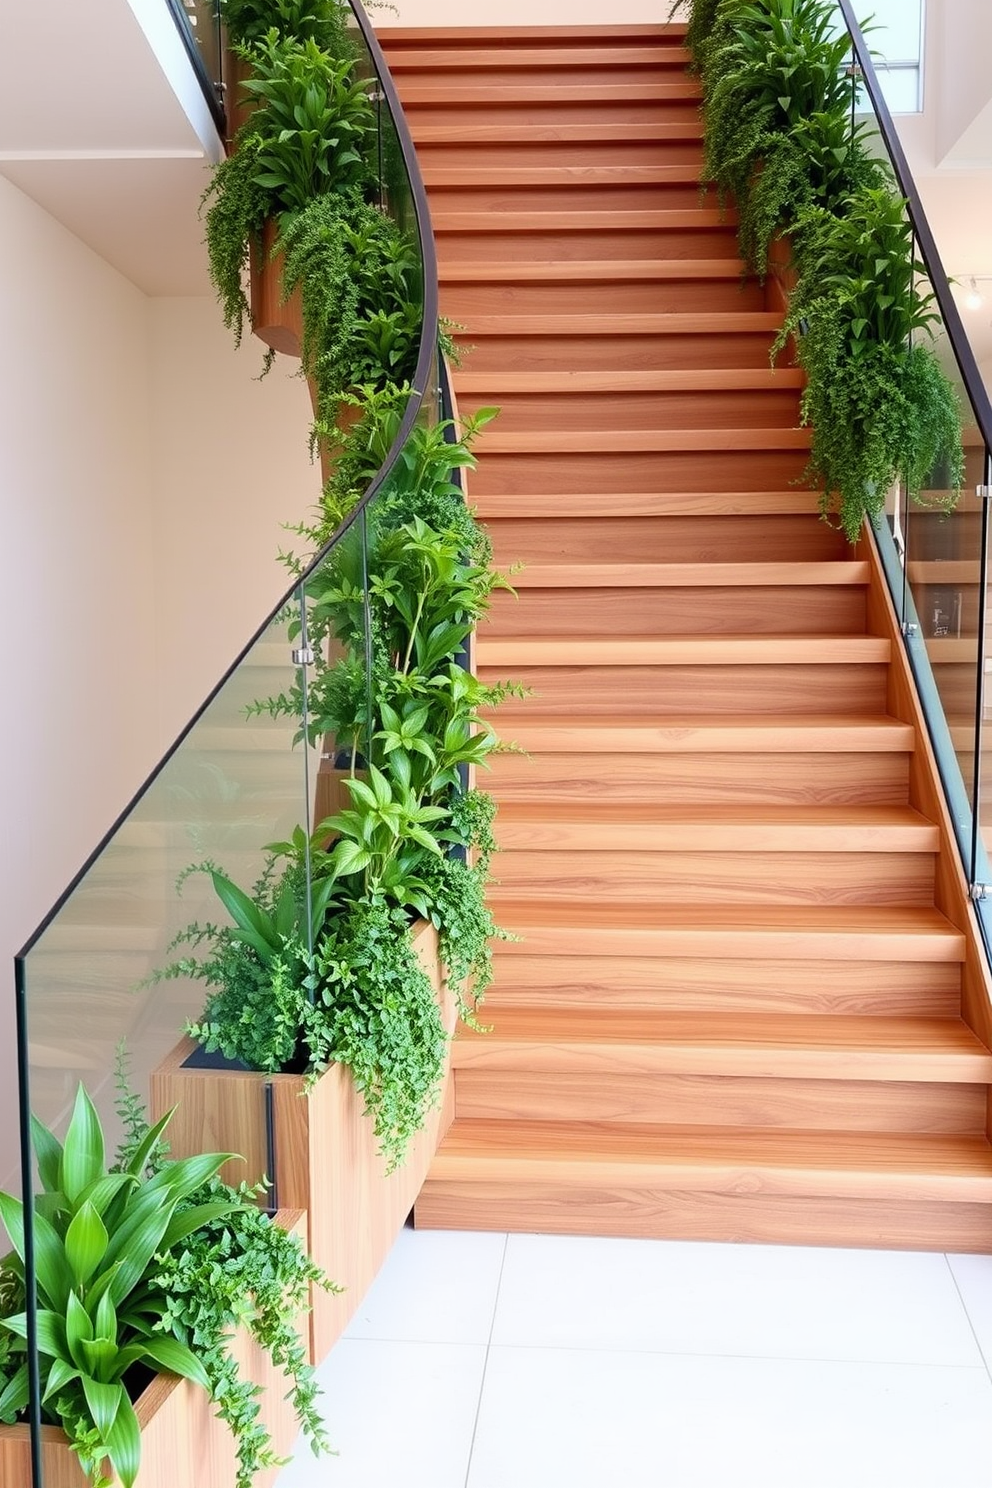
[
  {"x": 485, "y": 1362},
  {"x": 655, "y": 1353},
  {"x": 971, "y": 1325}
]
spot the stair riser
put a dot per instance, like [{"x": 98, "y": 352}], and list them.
[
  {"x": 712, "y": 691},
  {"x": 617, "y": 877},
  {"x": 718, "y": 1100},
  {"x": 628, "y": 196},
  {"x": 654, "y": 297},
  {"x": 550, "y": 112},
  {"x": 661, "y": 1214},
  {"x": 705, "y": 779},
  {"x": 411, "y": 71},
  {"x": 634, "y": 353},
  {"x": 675, "y": 539},
  {"x": 470, "y": 154},
  {"x": 597, "y": 612},
  {"x": 493, "y": 242},
  {"x": 746, "y": 409},
  {"x": 668, "y": 470},
  {"x": 881, "y": 989}
]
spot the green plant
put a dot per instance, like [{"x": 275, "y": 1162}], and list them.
[
  {"x": 878, "y": 400},
  {"x": 321, "y": 21},
  {"x": 780, "y": 138},
  {"x": 104, "y": 1240},
  {"x": 359, "y": 277},
  {"x": 236, "y": 207},
  {"x": 313, "y": 118},
  {"x": 778, "y": 133}
]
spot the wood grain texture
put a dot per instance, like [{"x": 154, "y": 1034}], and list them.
[
  {"x": 326, "y": 1158},
  {"x": 819, "y": 1047},
  {"x": 674, "y": 777},
  {"x": 776, "y": 1219},
  {"x": 806, "y": 1103},
  {"x": 835, "y": 1164},
  {"x": 735, "y": 1007},
  {"x": 705, "y": 984},
  {"x": 759, "y": 932},
  {"x": 951, "y": 890}
]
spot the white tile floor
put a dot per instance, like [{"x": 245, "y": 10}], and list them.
[{"x": 532, "y": 1361}]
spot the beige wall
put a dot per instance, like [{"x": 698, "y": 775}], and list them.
[
  {"x": 76, "y": 578},
  {"x": 144, "y": 474},
  {"x": 230, "y": 464}
]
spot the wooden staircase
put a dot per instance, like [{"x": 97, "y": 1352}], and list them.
[{"x": 735, "y": 1010}]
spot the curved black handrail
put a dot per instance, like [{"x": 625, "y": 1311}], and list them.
[
  {"x": 926, "y": 244},
  {"x": 212, "y": 88},
  {"x": 425, "y": 363}
]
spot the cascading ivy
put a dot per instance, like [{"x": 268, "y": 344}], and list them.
[{"x": 781, "y": 141}]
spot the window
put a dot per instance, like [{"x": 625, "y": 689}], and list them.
[{"x": 896, "y": 36}]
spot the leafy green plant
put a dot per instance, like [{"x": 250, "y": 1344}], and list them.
[
  {"x": 359, "y": 276},
  {"x": 321, "y": 21},
  {"x": 781, "y": 140},
  {"x": 236, "y": 207},
  {"x": 102, "y": 1236},
  {"x": 313, "y": 118},
  {"x": 878, "y": 400}
]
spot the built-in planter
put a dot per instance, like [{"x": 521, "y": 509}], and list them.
[
  {"x": 182, "y": 1441},
  {"x": 319, "y": 1145},
  {"x": 275, "y": 320}
]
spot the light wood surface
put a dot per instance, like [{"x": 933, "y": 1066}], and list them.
[
  {"x": 326, "y": 1158},
  {"x": 735, "y": 1007}
]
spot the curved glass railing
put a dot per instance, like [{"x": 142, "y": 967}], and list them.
[
  {"x": 238, "y": 779},
  {"x": 935, "y": 551}
]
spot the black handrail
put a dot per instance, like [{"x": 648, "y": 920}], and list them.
[
  {"x": 926, "y": 244},
  {"x": 212, "y": 88},
  {"x": 425, "y": 364}
]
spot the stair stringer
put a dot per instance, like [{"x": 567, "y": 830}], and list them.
[{"x": 926, "y": 794}]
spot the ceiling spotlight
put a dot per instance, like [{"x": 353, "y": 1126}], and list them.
[{"x": 974, "y": 300}]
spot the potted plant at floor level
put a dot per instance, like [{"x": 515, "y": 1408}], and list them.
[{"x": 149, "y": 1266}]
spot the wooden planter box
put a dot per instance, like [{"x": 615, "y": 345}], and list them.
[
  {"x": 277, "y": 322},
  {"x": 182, "y": 1441},
  {"x": 324, "y": 1155}
]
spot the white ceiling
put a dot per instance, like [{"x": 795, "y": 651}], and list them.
[{"x": 102, "y": 122}]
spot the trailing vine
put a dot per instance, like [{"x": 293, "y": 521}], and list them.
[{"x": 782, "y": 144}]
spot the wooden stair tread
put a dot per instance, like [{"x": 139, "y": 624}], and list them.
[
  {"x": 560, "y": 175},
  {"x": 480, "y": 95},
  {"x": 644, "y": 441},
  {"x": 723, "y": 650},
  {"x": 696, "y": 380},
  {"x": 685, "y": 575},
  {"x": 734, "y": 827},
  {"x": 769, "y": 733},
  {"x": 658, "y": 504},
  {"x": 762, "y": 1045},
  {"x": 732, "y": 931},
  {"x": 595, "y": 220},
  {"x": 466, "y": 57},
  {"x": 595, "y": 270},
  {"x": 691, "y": 323},
  {"x": 550, "y": 131},
  {"x": 747, "y": 1161}
]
